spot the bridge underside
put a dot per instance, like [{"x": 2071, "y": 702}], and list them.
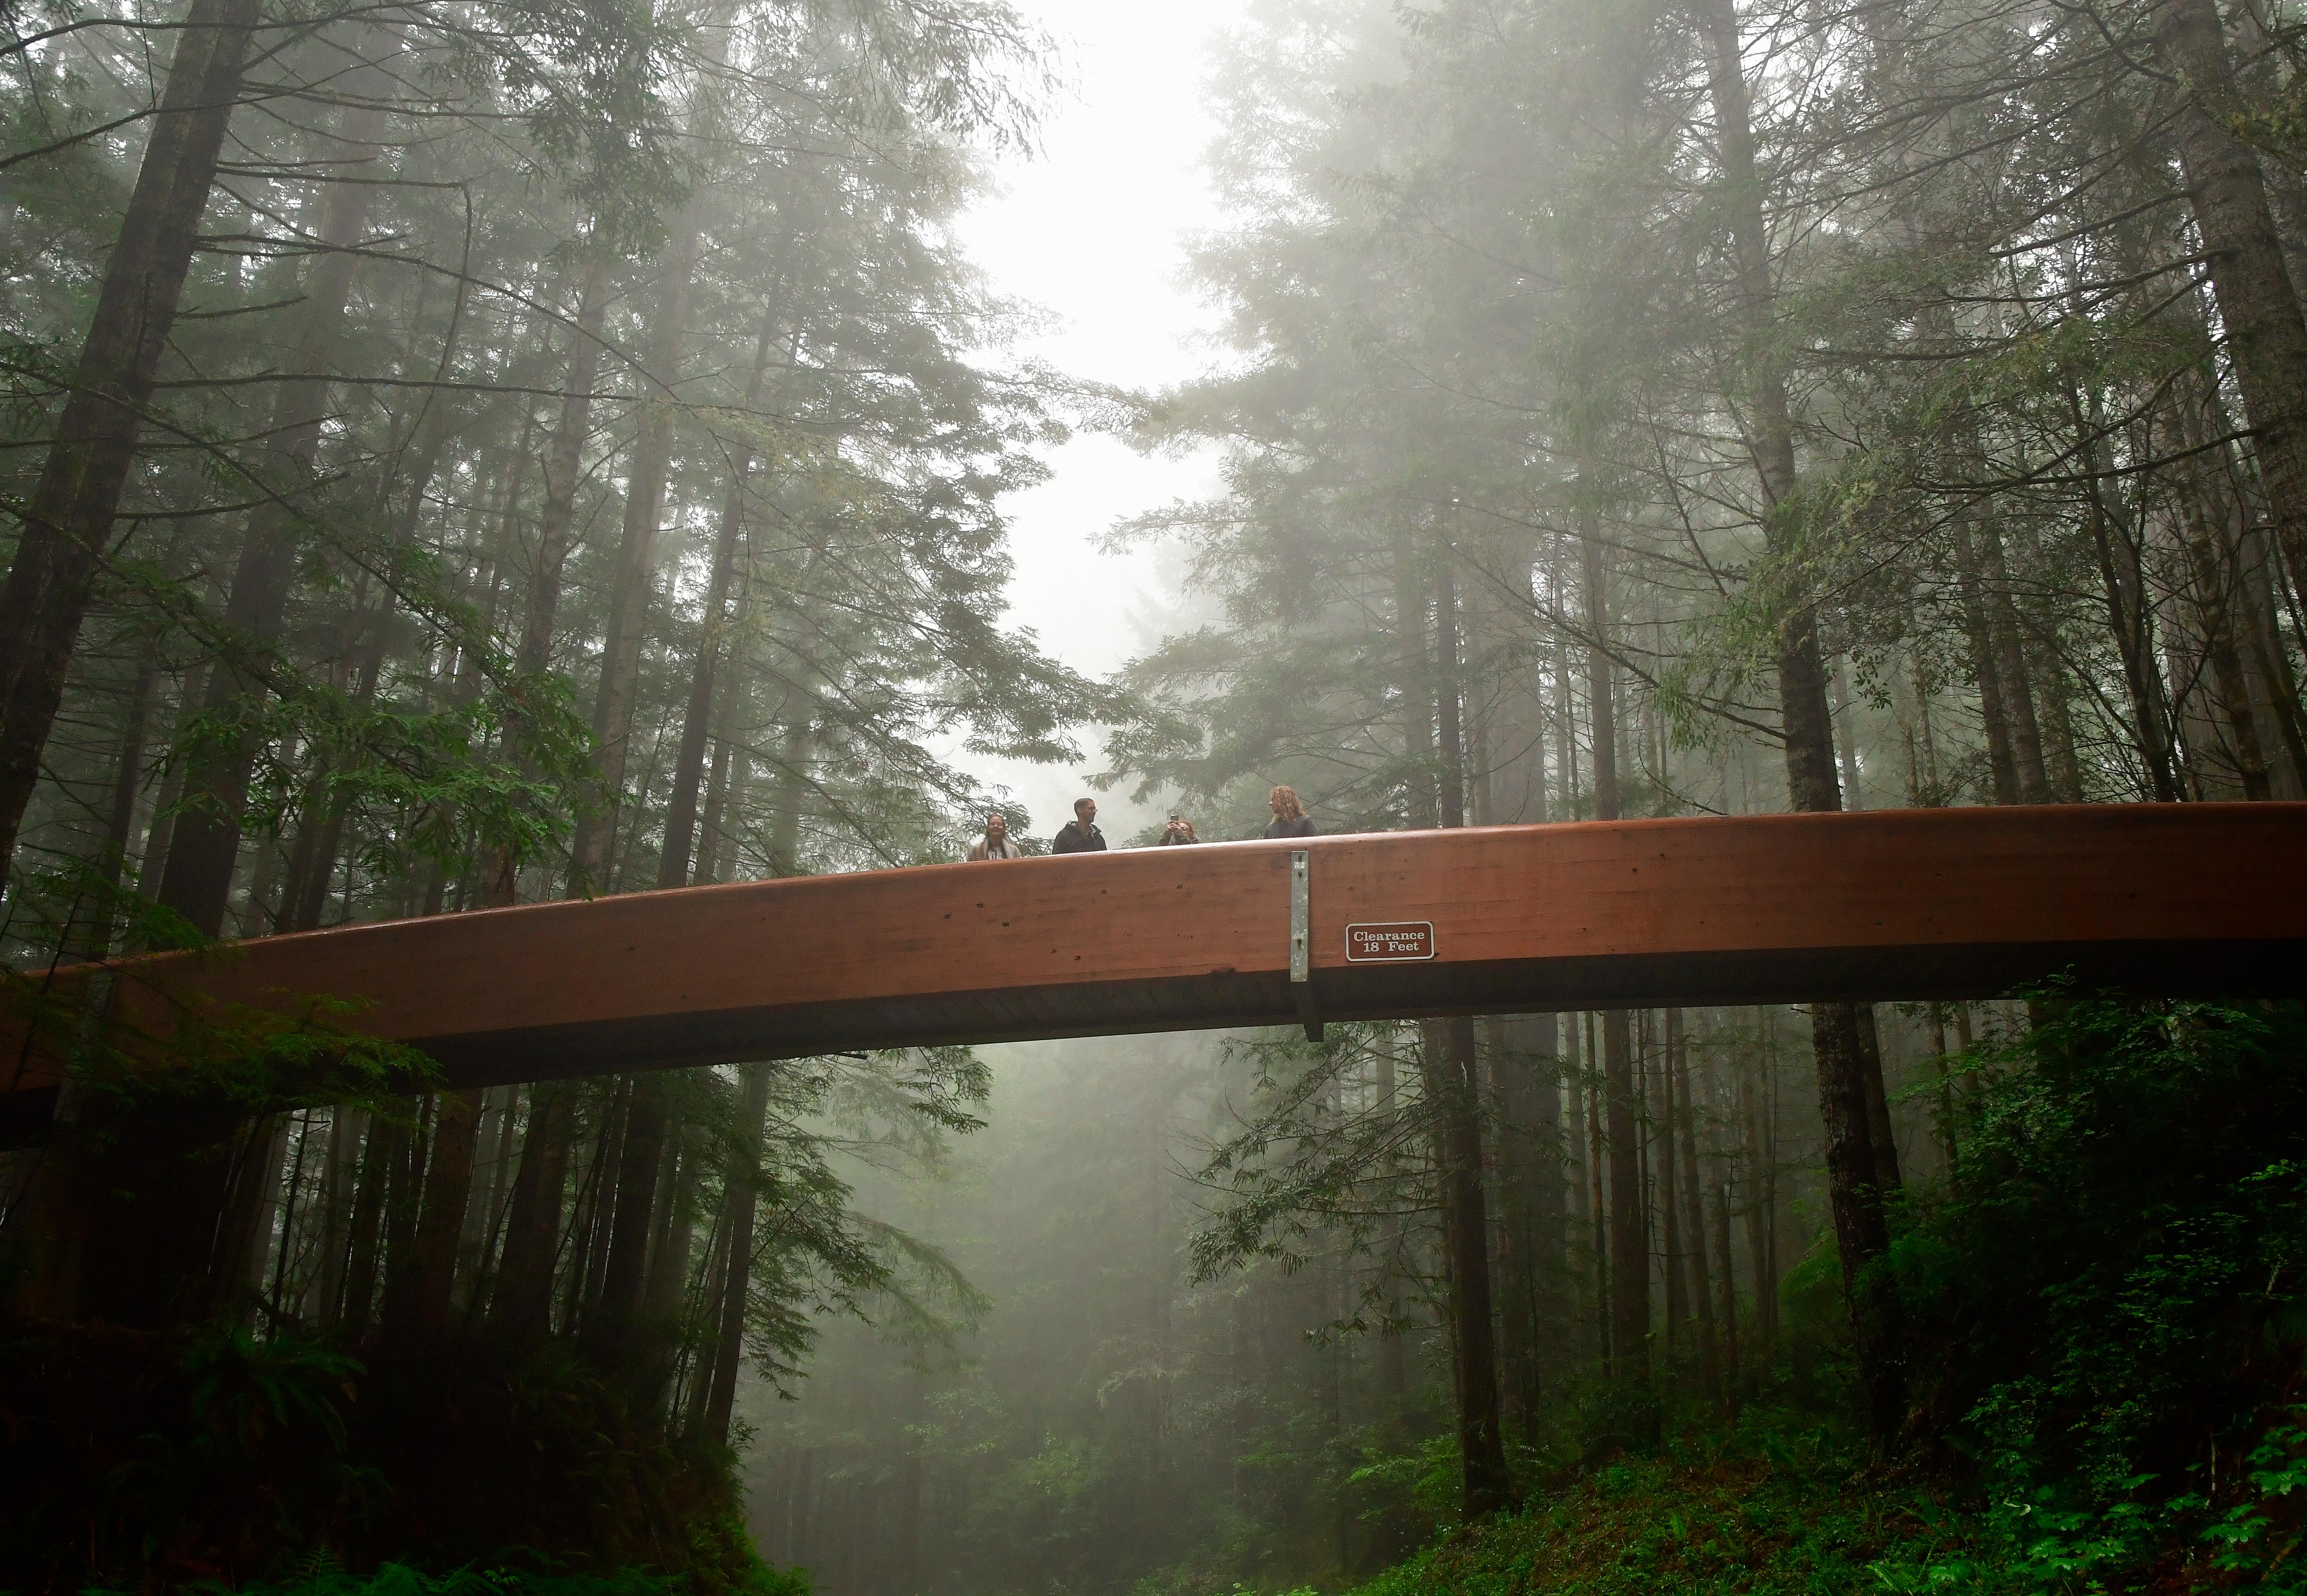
[{"x": 2193, "y": 898}]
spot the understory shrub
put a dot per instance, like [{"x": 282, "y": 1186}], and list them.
[
  {"x": 162, "y": 1460},
  {"x": 2106, "y": 1301}
]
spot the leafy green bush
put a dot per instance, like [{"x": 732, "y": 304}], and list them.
[
  {"x": 1717, "y": 1523},
  {"x": 166, "y": 1460},
  {"x": 2108, "y": 1303}
]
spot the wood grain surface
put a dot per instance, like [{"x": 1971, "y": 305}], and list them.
[{"x": 1896, "y": 904}]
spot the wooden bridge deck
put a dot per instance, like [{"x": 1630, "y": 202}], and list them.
[{"x": 1901, "y": 905}]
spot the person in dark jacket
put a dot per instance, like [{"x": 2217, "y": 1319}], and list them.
[
  {"x": 1080, "y": 835},
  {"x": 1290, "y": 816}
]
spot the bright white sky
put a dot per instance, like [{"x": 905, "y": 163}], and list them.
[{"x": 1091, "y": 230}]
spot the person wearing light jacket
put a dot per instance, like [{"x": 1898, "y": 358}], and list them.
[{"x": 995, "y": 844}]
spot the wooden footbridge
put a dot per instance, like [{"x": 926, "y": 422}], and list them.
[{"x": 2208, "y": 899}]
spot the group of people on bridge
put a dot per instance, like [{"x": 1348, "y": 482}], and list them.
[{"x": 1080, "y": 835}]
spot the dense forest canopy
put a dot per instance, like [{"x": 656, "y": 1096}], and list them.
[{"x": 466, "y": 454}]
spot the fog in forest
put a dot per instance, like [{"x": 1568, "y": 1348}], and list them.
[
  {"x": 1104, "y": 1414},
  {"x": 466, "y": 456}
]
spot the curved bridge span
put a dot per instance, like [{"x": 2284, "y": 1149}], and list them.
[{"x": 1896, "y": 904}]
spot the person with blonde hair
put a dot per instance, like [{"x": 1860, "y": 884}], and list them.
[
  {"x": 1290, "y": 816},
  {"x": 996, "y": 843}
]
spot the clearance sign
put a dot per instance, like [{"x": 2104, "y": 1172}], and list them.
[{"x": 1395, "y": 939}]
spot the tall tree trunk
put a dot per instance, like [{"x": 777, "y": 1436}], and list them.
[
  {"x": 789, "y": 789},
  {"x": 621, "y": 651},
  {"x": 68, "y": 521},
  {"x": 1848, "y": 742},
  {"x": 1729, "y": 1378},
  {"x": 597, "y": 1204},
  {"x": 1579, "y": 1223},
  {"x": 1515, "y": 769},
  {"x": 485, "y": 1228},
  {"x": 442, "y": 1222},
  {"x": 668, "y": 1274},
  {"x": 1601, "y": 696},
  {"x": 1629, "y": 1263},
  {"x": 93, "y": 938},
  {"x": 321, "y": 835},
  {"x": 153, "y": 861},
  {"x": 1566, "y": 726},
  {"x": 1530, "y": 1228},
  {"x": 1882, "y": 1135},
  {"x": 2214, "y": 573},
  {"x": 1667, "y": 1185},
  {"x": 613, "y": 1330},
  {"x": 2130, "y": 615},
  {"x": 1756, "y": 1087},
  {"x": 697, "y": 1378},
  {"x": 1448, "y": 697},
  {"x": 2274, "y": 689},
  {"x": 1452, "y": 1086},
  {"x": 1694, "y": 1198},
  {"x": 1949, "y": 1146},
  {"x": 521, "y": 1306},
  {"x": 403, "y": 1209},
  {"x": 1606, "y": 1305},
  {"x": 565, "y": 461},
  {"x": 2266, "y": 336},
  {"x": 729, "y": 1318},
  {"x": 252, "y": 1204},
  {"x": 424, "y": 1304},
  {"x": 1994, "y": 697},
  {"x": 1861, "y": 1225},
  {"x": 198, "y": 881},
  {"x": 2011, "y": 669},
  {"x": 364, "y": 1250},
  {"x": 2059, "y": 756},
  {"x": 1508, "y": 1077},
  {"x": 338, "y": 1183},
  {"x": 1630, "y": 1257},
  {"x": 306, "y": 897},
  {"x": 716, "y": 836},
  {"x": 697, "y": 719},
  {"x": 1449, "y": 1064},
  {"x": 1422, "y": 801},
  {"x": 1392, "y": 1369}
]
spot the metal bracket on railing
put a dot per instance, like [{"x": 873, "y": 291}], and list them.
[{"x": 1301, "y": 946}]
